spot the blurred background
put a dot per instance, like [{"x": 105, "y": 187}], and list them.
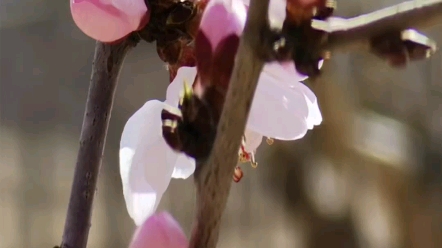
[{"x": 370, "y": 176}]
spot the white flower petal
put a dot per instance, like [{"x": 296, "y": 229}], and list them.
[
  {"x": 253, "y": 140},
  {"x": 184, "y": 167},
  {"x": 146, "y": 161},
  {"x": 277, "y": 111},
  {"x": 283, "y": 108},
  {"x": 314, "y": 113},
  {"x": 280, "y": 71},
  {"x": 184, "y": 74}
]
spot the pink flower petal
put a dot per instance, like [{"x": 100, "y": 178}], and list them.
[
  {"x": 223, "y": 61},
  {"x": 278, "y": 113},
  {"x": 314, "y": 114},
  {"x": 159, "y": 231},
  {"x": 280, "y": 71},
  {"x": 217, "y": 40},
  {"x": 184, "y": 167},
  {"x": 109, "y": 20},
  {"x": 222, "y": 18}
]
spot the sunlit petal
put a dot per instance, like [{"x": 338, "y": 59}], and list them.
[
  {"x": 277, "y": 112},
  {"x": 184, "y": 167},
  {"x": 146, "y": 161},
  {"x": 222, "y": 18},
  {"x": 283, "y": 108}
]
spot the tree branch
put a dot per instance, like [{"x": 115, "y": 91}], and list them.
[
  {"x": 108, "y": 60},
  {"x": 213, "y": 178},
  {"x": 355, "y": 33}
]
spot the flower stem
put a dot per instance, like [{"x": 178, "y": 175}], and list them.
[
  {"x": 108, "y": 60},
  {"x": 213, "y": 177}
]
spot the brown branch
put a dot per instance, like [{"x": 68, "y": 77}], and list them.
[
  {"x": 108, "y": 60},
  {"x": 355, "y": 33},
  {"x": 213, "y": 178}
]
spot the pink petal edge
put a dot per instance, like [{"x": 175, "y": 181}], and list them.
[
  {"x": 159, "y": 231},
  {"x": 222, "y": 18},
  {"x": 109, "y": 20}
]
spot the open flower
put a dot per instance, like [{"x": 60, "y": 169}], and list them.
[
  {"x": 147, "y": 163},
  {"x": 109, "y": 20},
  {"x": 283, "y": 108},
  {"x": 159, "y": 231}
]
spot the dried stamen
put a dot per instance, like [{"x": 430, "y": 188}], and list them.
[
  {"x": 244, "y": 156},
  {"x": 185, "y": 94},
  {"x": 253, "y": 161},
  {"x": 238, "y": 174}
]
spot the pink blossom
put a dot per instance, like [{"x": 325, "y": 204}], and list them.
[
  {"x": 222, "y": 18},
  {"x": 283, "y": 108},
  {"x": 159, "y": 231},
  {"x": 109, "y": 20},
  {"x": 217, "y": 41}
]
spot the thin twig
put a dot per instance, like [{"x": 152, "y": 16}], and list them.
[
  {"x": 354, "y": 34},
  {"x": 107, "y": 64},
  {"x": 213, "y": 178}
]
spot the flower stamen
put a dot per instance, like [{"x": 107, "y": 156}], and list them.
[
  {"x": 172, "y": 124},
  {"x": 185, "y": 94},
  {"x": 244, "y": 156},
  {"x": 253, "y": 162}
]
